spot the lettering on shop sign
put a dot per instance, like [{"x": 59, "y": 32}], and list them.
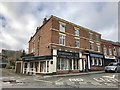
[{"x": 67, "y": 54}]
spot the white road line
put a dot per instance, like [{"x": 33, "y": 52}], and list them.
[
  {"x": 59, "y": 80},
  {"x": 43, "y": 81},
  {"x": 109, "y": 76}
]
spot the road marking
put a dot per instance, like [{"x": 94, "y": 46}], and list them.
[
  {"x": 43, "y": 81},
  {"x": 109, "y": 76},
  {"x": 76, "y": 79},
  {"x": 98, "y": 80},
  {"x": 59, "y": 80}
]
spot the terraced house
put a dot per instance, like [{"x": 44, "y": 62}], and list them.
[
  {"x": 59, "y": 46},
  {"x": 111, "y": 51}
]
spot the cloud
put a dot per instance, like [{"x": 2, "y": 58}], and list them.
[{"x": 19, "y": 20}]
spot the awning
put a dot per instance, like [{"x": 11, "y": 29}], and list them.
[{"x": 96, "y": 55}]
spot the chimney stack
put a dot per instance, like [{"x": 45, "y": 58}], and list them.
[{"x": 45, "y": 20}]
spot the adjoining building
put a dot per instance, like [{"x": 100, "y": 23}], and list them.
[
  {"x": 59, "y": 46},
  {"x": 111, "y": 51}
]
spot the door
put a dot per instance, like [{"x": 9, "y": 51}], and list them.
[{"x": 18, "y": 68}]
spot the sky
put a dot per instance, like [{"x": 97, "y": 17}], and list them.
[{"x": 19, "y": 20}]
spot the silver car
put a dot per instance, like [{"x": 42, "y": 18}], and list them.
[{"x": 113, "y": 67}]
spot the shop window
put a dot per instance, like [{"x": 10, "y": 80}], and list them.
[
  {"x": 43, "y": 66},
  {"x": 77, "y": 43},
  {"x": 62, "y": 40},
  {"x": 31, "y": 64},
  {"x": 96, "y": 61},
  {"x": 58, "y": 64},
  {"x": 75, "y": 64},
  {"x": 92, "y": 62},
  {"x": 62, "y": 64},
  {"x": 25, "y": 65},
  {"x": 76, "y": 31},
  {"x": 62, "y": 27},
  {"x": 100, "y": 62}
]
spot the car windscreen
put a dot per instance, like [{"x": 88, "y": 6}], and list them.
[{"x": 112, "y": 64}]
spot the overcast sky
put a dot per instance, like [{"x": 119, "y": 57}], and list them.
[{"x": 18, "y": 21}]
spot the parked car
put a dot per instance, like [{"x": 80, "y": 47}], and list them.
[{"x": 113, "y": 67}]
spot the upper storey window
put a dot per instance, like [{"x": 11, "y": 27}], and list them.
[
  {"x": 76, "y": 31},
  {"x": 62, "y": 26},
  {"x": 62, "y": 39},
  {"x": 114, "y": 51},
  {"x": 97, "y": 38},
  {"x": 91, "y": 36},
  {"x": 105, "y": 51}
]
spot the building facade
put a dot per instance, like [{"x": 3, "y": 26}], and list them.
[
  {"x": 111, "y": 51},
  {"x": 59, "y": 46}
]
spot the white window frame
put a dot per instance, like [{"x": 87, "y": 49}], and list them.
[
  {"x": 97, "y": 61},
  {"x": 114, "y": 51},
  {"x": 97, "y": 38},
  {"x": 92, "y": 61},
  {"x": 100, "y": 62},
  {"x": 110, "y": 51},
  {"x": 91, "y": 35},
  {"x": 105, "y": 51},
  {"x": 98, "y": 48},
  {"x": 62, "y": 39},
  {"x": 76, "y": 31},
  {"x": 62, "y": 27},
  {"x": 91, "y": 46},
  {"x": 77, "y": 41}
]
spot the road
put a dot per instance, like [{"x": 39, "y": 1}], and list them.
[{"x": 100, "y": 80}]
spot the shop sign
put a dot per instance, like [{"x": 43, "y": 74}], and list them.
[
  {"x": 37, "y": 58},
  {"x": 65, "y": 54}
]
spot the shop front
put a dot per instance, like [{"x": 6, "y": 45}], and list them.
[
  {"x": 92, "y": 61},
  {"x": 109, "y": 59},
  {"x": 36, "y": 65},
  {"x": 97, "y": 61},
  {"x": 67, "y": 62}
]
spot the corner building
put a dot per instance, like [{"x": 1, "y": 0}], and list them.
[{"x": 59, "y": 46}]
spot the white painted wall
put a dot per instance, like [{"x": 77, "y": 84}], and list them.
[
  {"x": 89, "y": 62},
  {"x": 80, "y": 61},
  {"x": 81, "y": 66},
  {"x": 53, "y": 67}
]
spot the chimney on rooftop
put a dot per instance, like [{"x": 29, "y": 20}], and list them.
[{"x": 45, "y": 20}]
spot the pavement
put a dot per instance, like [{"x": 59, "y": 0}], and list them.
[{"x": 74, "y": 74}]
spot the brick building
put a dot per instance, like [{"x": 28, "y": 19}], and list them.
[
  {"x": 59, "y": 46},
  {"x": 111, "y": 51}
]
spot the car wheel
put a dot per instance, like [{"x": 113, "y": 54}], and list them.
[
  {"x": 106, "y": 71},
  {"x": 116, "y": 70}
]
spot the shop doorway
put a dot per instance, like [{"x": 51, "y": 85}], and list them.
[{"x": 85, "y": 65}]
